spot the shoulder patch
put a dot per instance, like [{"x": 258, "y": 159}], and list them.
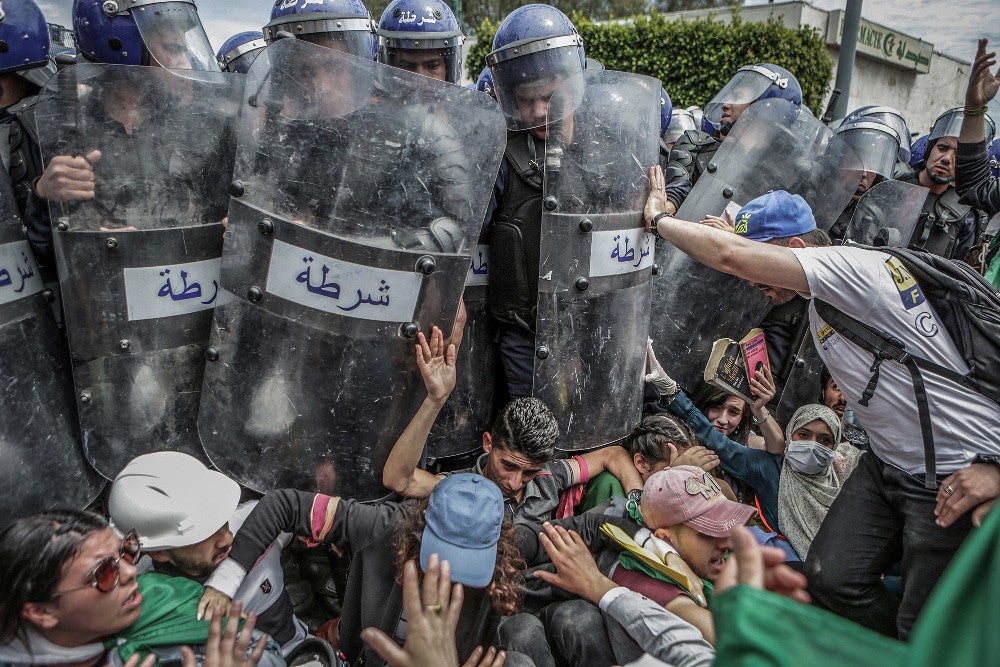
[{"x": 909, "y": 291}]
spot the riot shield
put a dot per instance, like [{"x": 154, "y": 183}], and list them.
[
  {"x": 359, "y": 194},
  {"x": 596, "y": 260},
  {"x": 775, "y": 145},
  {"x": 41, "y": 461},
  {"x": 887, "y": 214},
  {"x": 139, "y": 263}
]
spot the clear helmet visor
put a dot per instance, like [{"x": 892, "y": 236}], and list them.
[
  {"x": 893, "y": 119},
  {"x": 174, "y": 36},
  {"x": 745, "y": 87},
  {"x": 525, "y": 83},
  {"x": 949, "y": 124},
  {"x": 875, "y": 144},
  {"x": 437, "y": 58},
  {"x": 241, "y": 64},
  {"x": 680, "y": 122}
]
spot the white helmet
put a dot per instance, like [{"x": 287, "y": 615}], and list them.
[{"x": 171, "y": 499}]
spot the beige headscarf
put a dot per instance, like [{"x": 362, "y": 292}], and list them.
[{"x": 803, "y": 500}]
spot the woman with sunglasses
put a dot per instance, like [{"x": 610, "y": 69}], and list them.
[{"x": 71, "y": 588}]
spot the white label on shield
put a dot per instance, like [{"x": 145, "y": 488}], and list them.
[
  {"x": 343, "y": 288},
  {"x": 479, "y": 269},
  {"x": 169, "y": 290},
  {"x": 620, "y": 251},
  {"x": 19, "y": 275}
]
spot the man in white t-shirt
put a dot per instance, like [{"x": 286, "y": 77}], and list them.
[{"x": 884, "y": 513}]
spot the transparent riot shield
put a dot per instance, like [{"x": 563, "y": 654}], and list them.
[
  {"x": 358, "y": 197},
  {"x": 41, "y": 461},
  {"x": 887, "y": 214},
  {"x": 774, "y": 146},
  {"x": 596, "y": 260},
  {"x": 139, "y": 262}
]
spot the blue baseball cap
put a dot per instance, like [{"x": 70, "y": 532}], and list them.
[
  {"x": 775, "y": 215},
  {"x": 464, "y": 514}
]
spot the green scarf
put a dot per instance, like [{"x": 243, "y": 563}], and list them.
[{"x": 168, "y": 616}]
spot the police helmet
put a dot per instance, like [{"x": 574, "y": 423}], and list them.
[
  {"x": 24, "y": 42},
  {"x": 536, "y": 52},
  {"x": 875, "y": 142},
  {"x": 750, "y": 84},
  {"x": 239, "y": 51},
  {"x": 893, "y": 119},
  {"x": 143, "y": 32},
  {"x": 917, "y": 150},
  {"x": 421, "y": 25},
  {"x": 949, "y": 124},
  {"x": 342, "y": 24},
  {"x": 484, "y": 83},
  {"x": 994, "y": 157}
]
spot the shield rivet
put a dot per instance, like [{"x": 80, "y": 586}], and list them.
[
  {"x": 656, "y": 269},
  {"x": 408, "y": 330},
  {"x": 85, "y": 397},
  {"x": 550, "y": 203},
  {"x": 237, "y": 188},
  {"x": 212, "y": 354},
  {"x": 63, "y": 226},
  {"x": 255, "y": 294},
  {"x": 50, "y": 296},
  {"x": 728, "y": 193},
  {"x": 712, "y": 168},
  {"x": 581, "y": 284},
  {"x": 542, "y": 352},
  {"x": 112, "y": 243},
  {"x": 124, "y": 344},
  {"x": 265, "y": 227},
  {"x": 426, "y": 265},
  {"x": 799, "y": 362},
  {"x": 586, "y": 225}
]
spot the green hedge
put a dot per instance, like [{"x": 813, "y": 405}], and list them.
[{"x": 694, "y": 59}]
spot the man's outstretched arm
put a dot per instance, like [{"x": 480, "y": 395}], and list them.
[
  {"x": 724, "y": 251},
  {"x": 437, "y": 363}
]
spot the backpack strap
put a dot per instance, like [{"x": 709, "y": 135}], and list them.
[{"x": 884, "y": 347}]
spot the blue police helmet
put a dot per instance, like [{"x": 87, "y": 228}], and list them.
[
  {"x": 342, "y": 24},
  {"x": 917, "y": 150},
  {"x": 750, "y": 84},
  {"x": 421, "y": 25},
  {"x": 666, "y": 111},
  {"x": 994, "y": 156},
  {"x": 24, "y": 37},
  {"x": 239, "y": 51},
  {"x": 536, "y": 45},
  {"x": 875, "y": 141},
  {"x": 138, "y": 32},
  {"x": 891, "y": 117},
  {"x": 484, "y": 83}
]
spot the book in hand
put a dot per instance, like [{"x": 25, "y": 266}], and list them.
[{"x": 728, "y": 362}]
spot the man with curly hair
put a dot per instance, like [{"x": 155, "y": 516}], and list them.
[
  {"x": 518, "y": 449},
  {"x": 461, "y": 522}
]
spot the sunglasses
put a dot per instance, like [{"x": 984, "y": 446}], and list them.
[{"x": 104, "y": 577}]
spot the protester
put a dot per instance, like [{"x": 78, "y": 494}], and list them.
[
  {"x": 73, "y": 597},
  {"x": 817, "y": 463},
  {"x": 886, "y": 507},
  {"x": 518, "y": 448},
  {"x": 462, "y": 521}
]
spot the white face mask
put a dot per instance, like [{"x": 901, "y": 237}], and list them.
[{"x": 808, "y": 457}]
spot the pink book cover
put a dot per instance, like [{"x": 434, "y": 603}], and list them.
[{"x": 755, "y": 352}]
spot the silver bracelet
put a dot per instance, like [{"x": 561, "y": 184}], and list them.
[{"x": 758, "y": 422}]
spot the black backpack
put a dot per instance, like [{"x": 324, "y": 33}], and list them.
[{"x": 969, "y": 309}]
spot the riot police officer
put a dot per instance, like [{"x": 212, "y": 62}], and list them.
[
  {"x": 751, "y": 83},
  {"x": 421, "y": 36},
  {"x": 345, "y": 25},
  {"x": 27, "y": 66},
  {"x": 239, "y": 51},
  {"x": 537, "y": 51},
  {"x": 947, "y": 227}
]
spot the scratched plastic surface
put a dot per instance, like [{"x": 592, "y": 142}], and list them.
[
  {"x": 887, "y": 214},
  {"x": 364, "y": 191},
  {"x": 41, "y": 462},
  {"x": 775, "y": 145},
  {"x": 592, "y": 340},
  {"x": 139, "y": 264}
]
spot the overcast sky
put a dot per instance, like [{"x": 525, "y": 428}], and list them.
[{"x": 952, "y": 26}]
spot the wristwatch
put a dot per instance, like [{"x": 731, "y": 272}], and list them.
[{"x": 656, "y": 219}]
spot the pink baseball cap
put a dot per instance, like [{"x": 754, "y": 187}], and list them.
[{"x": 691, "y": 496}]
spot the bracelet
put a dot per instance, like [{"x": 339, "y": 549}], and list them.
[
  {"x": 656, "y": 219},
  {"x": 758, "y": 422},
  {"x": 975, "y": 111}
]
